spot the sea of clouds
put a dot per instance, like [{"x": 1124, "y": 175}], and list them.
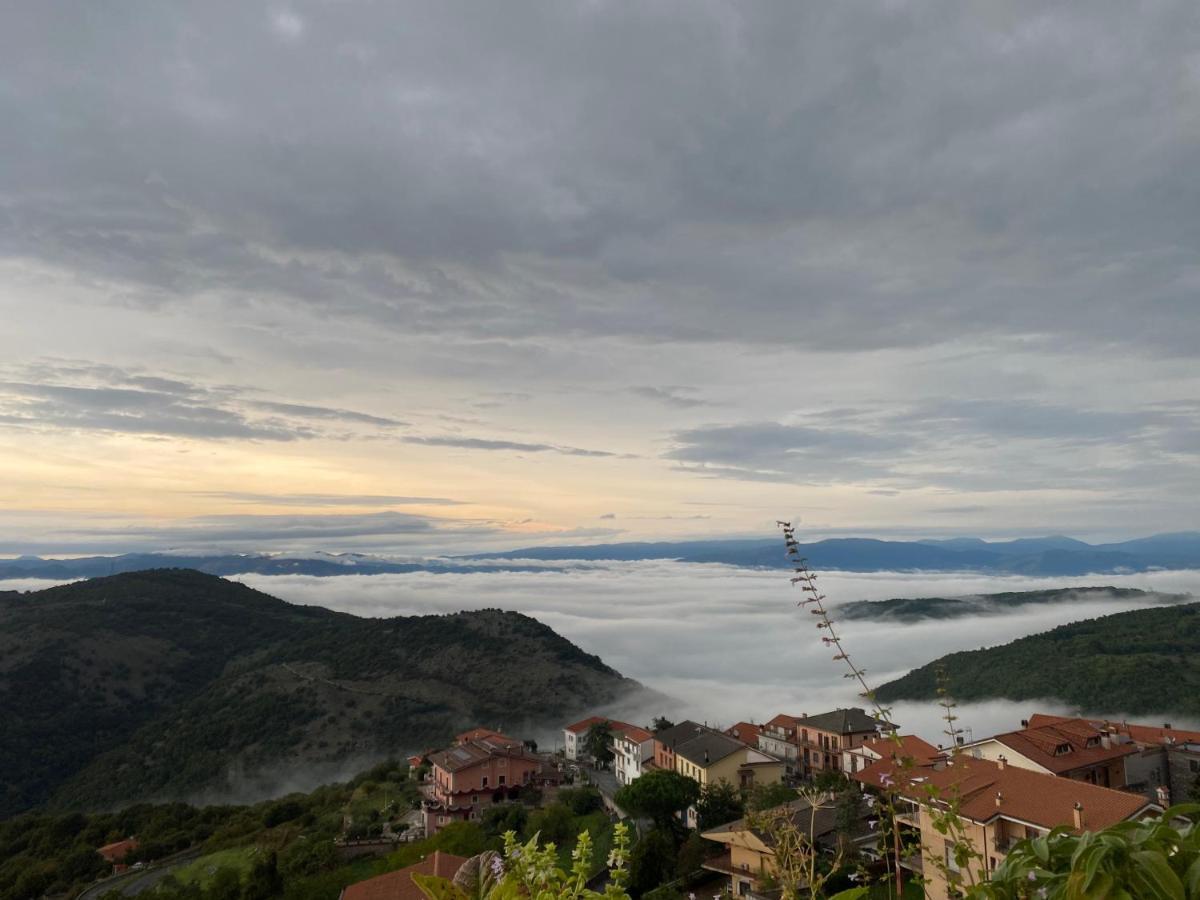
[{"x": 729, "y": 643}]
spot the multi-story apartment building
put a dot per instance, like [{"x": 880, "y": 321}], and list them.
[
  {"x": 780, "y": 738},
  {"x": 575, "y": 735},
  {"x": 821, "y": 738},
  {"x": 998, "y": 805},
  {"x": 632, "y": 748},
  {"x": 474, "y": 774}
]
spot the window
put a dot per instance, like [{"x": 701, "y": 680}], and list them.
[
  {"x": 951, "y": 862},
  {"x": 502, "y": 779},
  {"x": 474, "y": 798},
  {"x": 484, "y": 781},
  {"x": 1194, "y": 765}
]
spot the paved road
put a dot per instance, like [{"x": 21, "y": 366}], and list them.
[{"x": 133, "y": 883}]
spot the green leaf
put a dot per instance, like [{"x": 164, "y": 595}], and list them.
[
  {"x": 854, "y": 893},
  {"x": 1192, "y": 880},
  {"x": 1155, "y": 876}
]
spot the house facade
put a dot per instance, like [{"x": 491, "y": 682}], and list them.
[
  {"x": 998, "y": 805},
  {"x": 821, "y": 739},
  {"x": 575, "y": 735},
  {"x": 779, "y": 738},
  {"x": 475, "y": 774},
  {"x": 857, "y": 758},
  {"x": 632, "y": 748}
]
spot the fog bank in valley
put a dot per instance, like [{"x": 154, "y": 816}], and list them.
[{"x": 731, "y": 643}]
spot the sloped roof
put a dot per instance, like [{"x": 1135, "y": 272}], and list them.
[
  {"x": 843, "y": 721},
  {"x": 814, "y": 823},
  {"x": 477, "y": 734},
  {"x": 472, "y": 753},
  {"x": 118, "y": 850},
  {"x": 676, "y": 733},
  {"x": 1040, "y": 799},
  {"x": 583, "y": 725},
  {"x": 707, "y": 747},
  {"x": 399, "y": 885},
  {"x": 910, "y": 746},
  {"x": 746, "y": 732},
  {"x": 633, "y": 732},
  {"x": 1142, "y": 734},
  {"x": 1064, "y": 745}
]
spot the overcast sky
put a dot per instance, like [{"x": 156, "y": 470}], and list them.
[{"x": 416, "y": 277}]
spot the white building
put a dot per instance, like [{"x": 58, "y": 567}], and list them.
[{"x": 631, "y": 747}]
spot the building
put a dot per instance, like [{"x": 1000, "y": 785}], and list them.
[
  {"x": 779, "y": 737},
  {"x": 822, "y": 738},
  {"x": 907, "y": 746},
  {"x": 1068, "y": 748},
  {"x": 710, "y": 756},
  {"x": 1167, "y": 762},
  {"x": 117, "y": 851},
  {"x": 476, "y": 774},
  {"x": 575, "y": 735},
  {"x": 746, "y": 732},
  {"x": 749, "y": 849},
  {"x": 998, "y": 803},
  {"x": 399, "y": 885},
  {"x": 632, "y": 748}
]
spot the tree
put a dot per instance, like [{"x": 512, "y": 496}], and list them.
[
  {"x": 658, "y": 795},
  {"x": 692, "y": 855},
  {"x": 554, "y": 823},
  {"x": 596, "y": 743},
  {"x": 504, "y": 817},
  {"x": 661, "y": 723},
  {"x": 581, "y": 800},
  {"x": 264, "y": 881},
  {"x": 720, "y": 802},
  {"x": 653, "y": 861},
  {"x": 768, "y": 796}
]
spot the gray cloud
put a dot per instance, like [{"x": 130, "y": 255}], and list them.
[
  {"x": 671, "y": 396},
  {"x": 846, "y": 178},
  {"x": 160, "y": 406},
  {"x": 472, "y": 443}
]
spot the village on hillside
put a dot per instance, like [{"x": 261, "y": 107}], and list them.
[{"x": 823, "y": 775}]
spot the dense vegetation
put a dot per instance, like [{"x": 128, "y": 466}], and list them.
[
  {"x": 277, "y": 848},
  {"x": 164, "y": 684},
  {"x": 914, "y": 609},
  {"x": 1140, "y": 661}
]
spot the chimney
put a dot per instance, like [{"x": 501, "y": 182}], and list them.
[
  {"x": 1105, "y": 740},
  {"x": 1167, "y": 725},
  {"x": 1024, "y": 723},
  {"x": 1001, "y": 762},
  {"x": 706, "y": 757},
  {"x": 1078, "y": 816},
  {"x": 999, "y": 798}
]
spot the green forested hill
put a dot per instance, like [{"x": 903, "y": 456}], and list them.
[
  {"x": 164, "y": 684},
  {"x": 1144, "y": 661},
  {"x": 914, "y": 609}
]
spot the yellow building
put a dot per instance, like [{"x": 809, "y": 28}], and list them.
[{"x": 999, "y": 804}]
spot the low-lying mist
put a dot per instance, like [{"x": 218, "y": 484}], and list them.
[{"x": 730, "y": 643}]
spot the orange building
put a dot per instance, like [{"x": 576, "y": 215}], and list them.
[{"x": 477, "y": 773}]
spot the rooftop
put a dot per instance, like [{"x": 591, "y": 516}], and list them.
[
  {"x": 1064, "y": 745},
  {"x": 399, "y": 885},
  {"x": 583, "y": 725},
  {"x": 1039, "y": 799},
  {"x": 746, "y": 732},
  {"x": 844, "y": 721},
  {"x": 909, "y": 746},
  {"x": 472, "y": 753},
  {"x": 1142, "y": 734}
]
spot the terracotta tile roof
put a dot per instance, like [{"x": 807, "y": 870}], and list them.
[
  {"x": 783, "y": 721},
  {"x": 1142, "y": 734},
  {"x": 472, "y": 753},
  {"x": 478, "y": 734},
  {"x": 911, "y": 746},
  {"x": 746, "y": 732},
  {"x": 399, "y": 885},
  {"x": 633, "y": 732},
  {"x": 118, "y": 850},
  {"x": 584, "y": 724},
  {"x": 1064, "y": 745},
  {"x": 1039, "y": 799}
]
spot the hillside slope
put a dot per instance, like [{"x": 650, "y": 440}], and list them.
[
  {"x": 1142, "y": 661},
  {"x": 915, "y": 609},
  {"x": 162, "y": 684}
]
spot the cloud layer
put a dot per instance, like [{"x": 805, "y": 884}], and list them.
[{"x": 730, "y": 643}]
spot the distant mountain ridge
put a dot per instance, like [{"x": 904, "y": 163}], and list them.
[
  {"x": 1137, "y": 662},
  {"x": 1052, "y": 555},
  {"x": 164, "y": 684},
  {"x": 915, "y": 609}
]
